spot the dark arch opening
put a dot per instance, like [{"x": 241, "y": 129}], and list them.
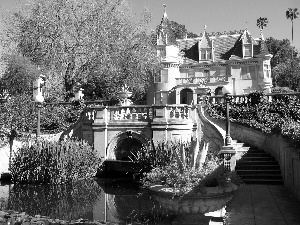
[
  {"x": 126, "y": 147},
  {"x": 219, "y": 91}
]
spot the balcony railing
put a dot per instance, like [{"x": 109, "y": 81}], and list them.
[{"x": 192, "y": 80}]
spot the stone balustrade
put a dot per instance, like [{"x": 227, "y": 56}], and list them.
[{"x": 139, "y": 113}]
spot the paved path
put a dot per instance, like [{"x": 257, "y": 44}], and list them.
[{"x": 263, "y": 205}]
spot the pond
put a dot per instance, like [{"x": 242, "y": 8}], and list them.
[{"x": 114, "y": 201}]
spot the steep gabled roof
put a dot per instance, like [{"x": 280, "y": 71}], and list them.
[{"x": 225, "y": 46}]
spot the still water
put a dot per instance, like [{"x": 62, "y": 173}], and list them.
[{"x": 107, "y": 200}]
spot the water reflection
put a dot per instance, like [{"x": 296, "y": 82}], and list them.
[{"x": 118, "y": 202}]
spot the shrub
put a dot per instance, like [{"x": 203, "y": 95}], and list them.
[{"x": 54, "y": 162}]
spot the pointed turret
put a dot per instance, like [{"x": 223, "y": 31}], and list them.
[
  {"x": 162, "y": 36},
  {"x": 262, "y": 46}
]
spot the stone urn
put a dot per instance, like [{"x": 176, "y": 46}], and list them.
[
  {"x": 192, "y": 206},
  {"x": 124, "y": 95}
]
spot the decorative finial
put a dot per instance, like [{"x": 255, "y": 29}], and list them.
[
  {"x": 205, "y": 27},
  {"x": 246, "y": 25}
]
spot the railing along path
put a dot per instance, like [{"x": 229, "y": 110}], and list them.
[{"x": 246, "y": 99}]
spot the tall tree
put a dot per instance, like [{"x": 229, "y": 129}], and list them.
[
  {"x": 280, "y": 49},
  {"x": 281, "y": 62},
  {"x": 292, "y": 14},
  {"x": 86, "y": 41}
]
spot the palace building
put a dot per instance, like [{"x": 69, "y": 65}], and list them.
[{"x": 192, "y": 67}]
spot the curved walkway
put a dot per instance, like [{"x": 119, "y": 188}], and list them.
[{"x": 263, "y": 205}]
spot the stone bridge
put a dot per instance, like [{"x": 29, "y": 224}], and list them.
[{"x": 114, "y": 131}]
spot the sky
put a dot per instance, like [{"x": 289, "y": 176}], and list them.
[
  {"x": 217, "y": 15},
  {"x": 226, "y": 15}
]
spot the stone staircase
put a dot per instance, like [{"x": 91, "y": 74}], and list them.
[{"x": 258, "y": 167}]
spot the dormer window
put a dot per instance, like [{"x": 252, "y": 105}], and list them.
[
  {"x": 247, "y": 50},
  {"x": 206, "y": 54}
]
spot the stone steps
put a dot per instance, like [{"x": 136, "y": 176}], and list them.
[{"x": 258, "y": 167}]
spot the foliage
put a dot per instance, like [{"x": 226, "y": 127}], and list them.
[
  {"x": 175, "y": 31},
  {"x": 54, "y": 162},
  {"x": 284, "y": 57},
  {"x": 98, "y": 43},
  {"x": 73, "y": 199},
  {"x": 281, "y": 90},
  {"x": 20, "y": 113},
  {"x": 19, "y": 73},
  {"x": 280, "y": 49},
  {"x": 279, "y": 116}
]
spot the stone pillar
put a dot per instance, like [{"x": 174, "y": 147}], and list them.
[
  {"x": 100, "y": 131},
  {"x": 228, "y": 154}
]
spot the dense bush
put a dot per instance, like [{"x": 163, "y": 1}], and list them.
[
  {"x": 54, "y": 162},
  {"x": 279, "y": 116}
]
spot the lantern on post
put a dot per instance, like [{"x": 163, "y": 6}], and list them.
[
  {"x": 228, "y": 151},
  {"x": 227, "y": 91}
]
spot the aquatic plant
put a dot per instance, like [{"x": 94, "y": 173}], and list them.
[
  {"x": 54, "y": 162},
  {"x": 64, "y": 201}
]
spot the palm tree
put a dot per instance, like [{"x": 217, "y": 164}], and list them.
[
  {"x": 292, "y": 14},
  {"x": 262, "y": 22}
]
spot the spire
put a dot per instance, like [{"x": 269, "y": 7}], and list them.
[
  {"x": 261, "y": 34},
  {"x": 205, "y": 28},
  {"x": 165, "y": 11},
  {"x": 246, "y": 25}
]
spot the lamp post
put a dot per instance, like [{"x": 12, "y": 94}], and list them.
[
  {"x": 227, "y": 91},
  {"x": 38, "y": 99}
]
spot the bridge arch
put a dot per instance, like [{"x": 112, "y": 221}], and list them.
[{"x": 120, "y": 146}]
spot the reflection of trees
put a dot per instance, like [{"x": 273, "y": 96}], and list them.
[{"x": 66, "y": 202}]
